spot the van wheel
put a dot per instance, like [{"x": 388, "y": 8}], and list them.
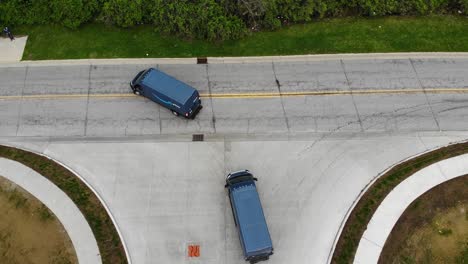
[{"x": 175, "y": 113}]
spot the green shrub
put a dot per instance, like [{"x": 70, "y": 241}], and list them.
[
  {"x": 464, "y": 6},
  {"x": 196, "y": 19},
  {"x": 72, "y": 13},
  {"x": 21, "y": 12},
  {"x": 211, "y": 19},
  {"x": 124, "y": 13}
]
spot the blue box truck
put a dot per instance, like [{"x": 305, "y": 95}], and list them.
[
  {"x": 248, "y": 216},
  {"x": 177, "y": 96}
]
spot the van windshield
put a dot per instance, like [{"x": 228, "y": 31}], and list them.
[
  {"x": 140, "y": 76},
  {"x": 240, "y": 179}
]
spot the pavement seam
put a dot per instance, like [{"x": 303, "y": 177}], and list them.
[
  {"x": 20, "y": 110},
  {"x": 160, "y": 121},
  {"x": 372, "y": 242},
  {"x": 278, "y": 84},
  {"x": 213, "y": 117},
  {"x": 87, "y": 101},
  {"x": 425, "y": 94},
  {"x": 226, "y": 204},
  {"x": 352, "y": 95}
]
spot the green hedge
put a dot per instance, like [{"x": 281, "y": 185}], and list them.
[{"x": 210, "y": 19}]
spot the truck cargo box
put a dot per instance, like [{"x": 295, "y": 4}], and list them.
[{"x": 248, "y": 216}]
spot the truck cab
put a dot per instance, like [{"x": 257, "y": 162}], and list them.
[{"x": 248, "y": 216}]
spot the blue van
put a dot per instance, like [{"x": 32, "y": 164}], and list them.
[
  {"x": 179, "y": 97},
  {"x": 248, "y": 216}
]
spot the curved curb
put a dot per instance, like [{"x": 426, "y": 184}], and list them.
[
  {"x": 368, "y": 186},
  {"x": 68, "y": 214},
  {"x": 129, "y": 260},
  {"x": 396, "y": 202}
]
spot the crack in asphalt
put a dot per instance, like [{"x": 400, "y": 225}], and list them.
[
  {"x": 352, "y": 95},
  {"x": 425, "y": 94},
  {"x": 87, "y": 101},
  {"x": 278, "y": 85},
  {"x": 20, "y": 108}
]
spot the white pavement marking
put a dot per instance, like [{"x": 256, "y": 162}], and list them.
[
  {"x": 12, "y": 51},
  {"x": 396, "y": 202},
  {"x": 60, "y": 204}
]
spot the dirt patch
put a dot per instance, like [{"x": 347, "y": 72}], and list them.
[
  {"x": 25, "y": 223},
  {"x": 433, "y": 229}
]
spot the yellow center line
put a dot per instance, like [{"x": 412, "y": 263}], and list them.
[{"x": 253, "y": 94}]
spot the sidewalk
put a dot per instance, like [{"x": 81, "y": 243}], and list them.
[
  {"x": 12, "y": 51},
  {"x": 60, "y": 204},
  {"x": 393, "y": 206},
  {"x": 243, "y": 60}
]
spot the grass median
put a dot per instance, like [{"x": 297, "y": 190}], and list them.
[
  {"x": 104, "y": 231},
  {"x": 339, "y": 35},
  {"x": 362, "y": 213}
]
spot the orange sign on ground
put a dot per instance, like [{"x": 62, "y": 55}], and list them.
[{"x": 194, "y": 251}]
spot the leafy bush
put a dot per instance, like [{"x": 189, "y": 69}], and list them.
[
  {"x": 196, "y": 19},
  {"x": 124, "y": 13},
  {"x": 464, "y": 6},
  {"x": 72, "y": 13},
  {"x": 18, "y": 12},
  {"x": 211, "y": 19}
]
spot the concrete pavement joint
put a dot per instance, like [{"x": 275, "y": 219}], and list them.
[
  {"x": 352, "y": 96},
  {"x": 278, "y": 84},
  {"x": 87, "y": 101},
  {"x": 21, "y": 100},
  {"x": 213, "y": 117},
  {"x": 425, "y": 94}
]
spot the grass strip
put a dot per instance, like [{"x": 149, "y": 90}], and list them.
[
  {"x": 339, "y": 35},
  {"x": 362, "y": 213},
  {"x": 104, "y": 231}
]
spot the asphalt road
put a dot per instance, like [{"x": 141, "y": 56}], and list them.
[
  {"x": 94, "y": 101},
  {"x": 312, "y": 153}
]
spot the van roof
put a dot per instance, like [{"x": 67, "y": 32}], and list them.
[
  {"x": 252, "y": 222},
  {"x": 167, "y": 85}
]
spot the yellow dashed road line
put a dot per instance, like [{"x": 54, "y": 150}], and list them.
[{"x": 251, "y": 95}]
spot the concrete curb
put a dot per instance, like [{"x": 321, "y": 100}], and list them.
[
  {"x": 368, "y": 186},
  {"x": 68, "y": 214},
  {"x": 395, "y": 203},
  {"x": 127, "y": 254},
  {"x": 346, "y": 56},
  {"x": 245, "y": 60}
]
